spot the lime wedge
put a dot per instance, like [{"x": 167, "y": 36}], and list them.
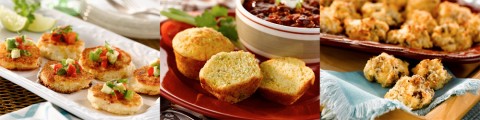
[
  {"x": 41, "y": 23},
  {"x": 11, "y": 20}
]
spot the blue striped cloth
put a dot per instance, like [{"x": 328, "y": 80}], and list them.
[{"x": 40, "y": 111}]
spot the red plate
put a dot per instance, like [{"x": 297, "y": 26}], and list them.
[{"x": 189, "y": 94}]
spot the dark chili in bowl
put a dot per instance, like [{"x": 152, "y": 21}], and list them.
[{"x": 306, "y": 16}]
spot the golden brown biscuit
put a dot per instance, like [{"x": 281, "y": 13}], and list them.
[
  {"x": 451, "y": 37},
  {"x": 451, "y": 12},
  {"x": 385, "y": 69},
  {"x": 144, "y": 83},
  {"x": 382, "y": 12},
  {"x": 328, "y": 22},
  {"x": 122, "y": 68},
  {"x": 413, "y": 36},
  {"x": 413, "y": 91},
  {"x": 113, "y": 103},
  {"x": 433, "y": 72},
  {"x": 426, "y": 5},
  {"x": 366, "y": 29},
  {"x": 420, "y": 17}
]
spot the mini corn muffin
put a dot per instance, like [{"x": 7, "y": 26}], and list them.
[
  {"x": 19, "y": 53},
  {"x": 473, "y": 28},
  {"x": 451, "y": 12},
  {"x": 413, "y": 91},
  {"x": 383, "y": 13},
  {"x": 412, "y": 36},
  {"x": 426, "y": 5},
  {"x": 147, "y": 79},
  {"x": 64, "y": 77},
  {"x": 107, "y": 62},
  {"x": 61, "y": 43},
  {"x": 385, "y": 69},
  {"x": 420, "y": 17},
  {"x": 451, "y": 37},
  {"x": 366, "y": 29},
  {"x": 328, "y": 22},
  {"x": 114, "y": 97},
  {"x": 231, "y": 77},
  {"x": 343, "y": 10},
  {"x": 285, "y": 80},
  {"x": 194, "y": 46},
  {"x": 433, "y": 72}
]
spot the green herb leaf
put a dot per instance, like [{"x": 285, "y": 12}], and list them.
[
  {"x": 128, "y": 95},
  {"x": 218, "y": 11},
  {"x": 206, "y": 20},
  {"x": 25, "y": 53},
  {"x": 122, "y": 81},
  {"x": 228, "y": 28},
  {"x": 110, "y": 84},
  {"x": 26, "y": 8},
  {"x": 61, "y": 71}
]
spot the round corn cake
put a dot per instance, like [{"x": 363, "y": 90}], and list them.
[
  {"x": 232, "y": 76},
  {"x": 23, "y": 62},
  {"x": 110, "y": 103},
  {"x": 122, "y": 68},
  {"x": 59, "y": 50},
  {"x": 142, "y": 83},
  {"x": 64, "y": 84}
]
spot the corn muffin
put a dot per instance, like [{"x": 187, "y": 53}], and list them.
[
  {"x": 194, "y": 46},
  {"x": 114, "y": 97},
  {"x": 433, "y": 72},
  {"x": 64, "y": 77},
  {"x": 285, "y": 80},
  {"x": 385, "y": 69},
  {"x": 61, "y": 43},
  {"x": 413, "y": 91},
  {"x": 107, "y": 62},
  {"x": 147, "y": 79},
  {"x": 231, "y": 77},
  {"x": 19, "y": 53}
]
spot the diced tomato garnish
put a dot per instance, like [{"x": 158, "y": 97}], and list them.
[
  {"x": 118, "y": 95},
  {"x": 57, "y": 67},
  {"x": 104, "y": 53},
  {"x": 71, "y": 71},
  {"x": 170, "y": 28},
  {"x": 19, "y": 40},
  {"x": 104, "y": 63},
  {"x": 70, "y": 37},
  {"x": 150, "y": 71},
  {"x": 78, "y": 66},
  {"x": 56, "y": 37}
]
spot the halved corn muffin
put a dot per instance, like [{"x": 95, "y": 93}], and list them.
[
  {"x": 19, "y": 53},
  {"x": 232, "y": 76},
  {"x": 64, "y": 81},
  {"x": 285, "y": 80},
  {"x": 194, "y": 46}
]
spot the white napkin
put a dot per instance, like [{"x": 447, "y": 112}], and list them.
[{"x": 39, "y": 111}]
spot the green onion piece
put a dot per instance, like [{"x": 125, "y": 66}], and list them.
[
  {"x": 93, "y": 56},
  {"x": 25, "y": 53},
  {"x": 110, "y": 84},
  {"x": 128, "y": 95},
  {"x": 122, "y": 81},
  {"x": 61, "y": 71},
  {"x": 11, "y": 44}
]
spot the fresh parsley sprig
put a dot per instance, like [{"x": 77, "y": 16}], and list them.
[
  {"x": 216, "y": 18},
  {"x": 26, "y": 8}
]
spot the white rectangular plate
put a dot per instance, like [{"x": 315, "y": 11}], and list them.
[{"x": 77, "y": 103}]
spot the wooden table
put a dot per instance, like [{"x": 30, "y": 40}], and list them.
[{"x": 341, "y": 59}]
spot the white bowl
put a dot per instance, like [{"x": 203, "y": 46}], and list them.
[{"x": 273, "y": 40}]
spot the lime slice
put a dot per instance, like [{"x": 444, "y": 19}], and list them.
[
  {"x": 11, "y": 20},
  {"x": 41, "y": 23}
]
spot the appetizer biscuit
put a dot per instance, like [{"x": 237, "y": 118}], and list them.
[
  {"x": 19, "y": 56},
  {"x": 366, "y": 29},
  {"x": 413, "y": 91},
  {"x": 147, "y": 79},
  {"x": 104, "y": 70},
  {"x": 114, "y": 102},
  {"x": 60, "y": 44},
  {"x": 64, "y": 81},
  {"x": 433, "y": 72},
  {"x": 385, "y": 69}
]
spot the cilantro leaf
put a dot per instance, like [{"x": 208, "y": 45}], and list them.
[
  {"x": 26, "y": 8},
  {"x": 206, "y": 20}
]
